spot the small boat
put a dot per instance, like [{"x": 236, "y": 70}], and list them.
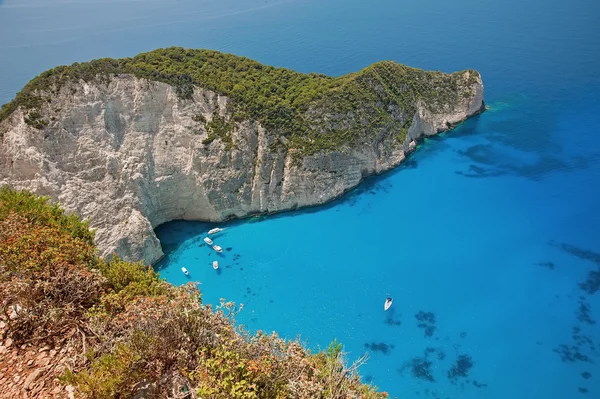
[
  {"x": 215, "y": 265},
  {"x": 387, "y": 304},
  {"x": 215, "y": 230},
  {"x": 185, "y": 271},
  {"x": 208, "y": 240},
  {"x": 217, "y": 248}
]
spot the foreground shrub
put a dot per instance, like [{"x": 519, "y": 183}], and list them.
[
  {"x": 47, "y": 280},
  {"x": 127, "y": 281},
  {"x": 131, "y": 329},
  {"x": 40, "y": 212}
]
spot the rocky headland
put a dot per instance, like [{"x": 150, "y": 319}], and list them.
[{"x": 199, "y": 135}]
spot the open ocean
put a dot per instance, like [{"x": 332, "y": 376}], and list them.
[{"x": 487, "y": 238}]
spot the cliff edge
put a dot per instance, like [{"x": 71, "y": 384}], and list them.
[{"x": 199, "y": 135}]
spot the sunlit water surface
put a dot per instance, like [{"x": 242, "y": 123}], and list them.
[{"x": 487, "y": 237}]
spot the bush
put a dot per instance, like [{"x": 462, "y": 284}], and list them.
[
  {"x": 47, "y": 279},
  {"x": 39, "y": 211},
  {"x": 134, "y": 327},
  {"x": 220, "y": 128},
  {"x": 127, "y": 281},
  {"x": 111, "y": 375},
  {"x": 322, "y": 112}
]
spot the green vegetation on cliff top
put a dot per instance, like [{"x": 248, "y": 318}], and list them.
[
  {"x": 312, "y": 109},
  {"x": 124, "y": 325}
]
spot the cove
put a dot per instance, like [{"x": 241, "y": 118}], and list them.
[
  {"x": 487, "y": 237},
  {"x": 487, "y": 290}
]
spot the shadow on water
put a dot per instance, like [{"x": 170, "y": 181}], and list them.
[
  {"x": 502, "y": 144},
  {"x": 391, "y": 319},
  {"x": 498, "y": 143},
  {"x": 470, "y": 127},
  {"x": 187, "y": 232},
  {"x": 374, "y": 184}
]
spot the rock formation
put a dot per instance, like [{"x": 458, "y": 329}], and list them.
[{"x": 129, "y": 153}]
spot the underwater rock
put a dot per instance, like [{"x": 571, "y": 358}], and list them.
[
  {"x": 586, "y": 375},
  {"x": 571, "y": 354},
  {"x": 547, "y": 265},
  {"x": 379, "y": 347},
  {"x": 461, "y": 367},
  {"x": 479, "y": 385},
  {"x": 427, "y": 322},
  {"x": 421, "y": 368}
]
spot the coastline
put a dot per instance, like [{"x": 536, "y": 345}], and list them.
[{"x": 331, "y": 202}]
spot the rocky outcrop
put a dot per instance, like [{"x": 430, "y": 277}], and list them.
[{"x": 130, "y": 154}]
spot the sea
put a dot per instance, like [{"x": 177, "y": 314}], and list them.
[{"x": 487, "y": 237}]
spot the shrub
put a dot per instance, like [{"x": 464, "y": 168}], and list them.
[
  {"x": 322, "y": 112},
  {"x": 39, "y": 211},
  {"x": 111, "y": 375},
  {"x": 220, "y": 128},
  {"x": 134, "y": 327},
  {"x": 47, "y": 279}
]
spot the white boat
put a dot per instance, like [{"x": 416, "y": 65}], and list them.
[
  {"x": 215, "y": 230},
  {"x": 208, "y": 240},
  {"x": 185, "y": 271},
  {"x": 215, "y": 265},
  {"x": 217, "y": 248},
  {"x": 387, "y": 304}
]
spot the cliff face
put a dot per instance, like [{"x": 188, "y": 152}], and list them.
[{"x": 130, "y": 154}]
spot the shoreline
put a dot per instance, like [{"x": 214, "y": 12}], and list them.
[{"x": 329, "y": 203}]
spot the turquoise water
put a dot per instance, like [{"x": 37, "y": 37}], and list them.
[{"x": 487, "y": 237}]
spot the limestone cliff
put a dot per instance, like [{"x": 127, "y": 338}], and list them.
[{"x": 130, "y": 153}]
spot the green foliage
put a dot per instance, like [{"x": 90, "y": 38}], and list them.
[
  {"x": 199, "y": 118},
  {"x": 334, "y": 349},
  {"x": 39, "y": 211},
  {"x": 134, "y": 277},
  {"x": 35, "y": 119},
  {"x": 317, "y": 111},
  {"x": 38, "y": 92},
  {"x": 226, "y": 373},
  {"x": 46, "y": 267},
  {"x": 219, "y": 128},
  {"x": 131, "y": 326},
  {"x": 111, "y": 375},
  {"x": 127, "y": 281}
]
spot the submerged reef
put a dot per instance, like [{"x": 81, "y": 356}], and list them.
[{"x": 426, "y": 322}]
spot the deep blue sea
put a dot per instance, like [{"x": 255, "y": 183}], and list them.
[{"x": 488, "y": 237}]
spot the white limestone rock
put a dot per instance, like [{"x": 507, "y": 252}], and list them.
[{"x": 128, "y": 155}]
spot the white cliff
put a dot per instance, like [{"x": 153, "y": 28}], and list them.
[{"x": 128, "y": 155}]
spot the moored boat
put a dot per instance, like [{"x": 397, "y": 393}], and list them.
[
  {"x": 185, "y": 271},
  {"x": 217, "y": 248},
  {"x": 387, "y": 304},
  {"x": 215, "y": 230},
  {"x": 215, "y": 265},
  {"x": 208, "y": 240}
]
